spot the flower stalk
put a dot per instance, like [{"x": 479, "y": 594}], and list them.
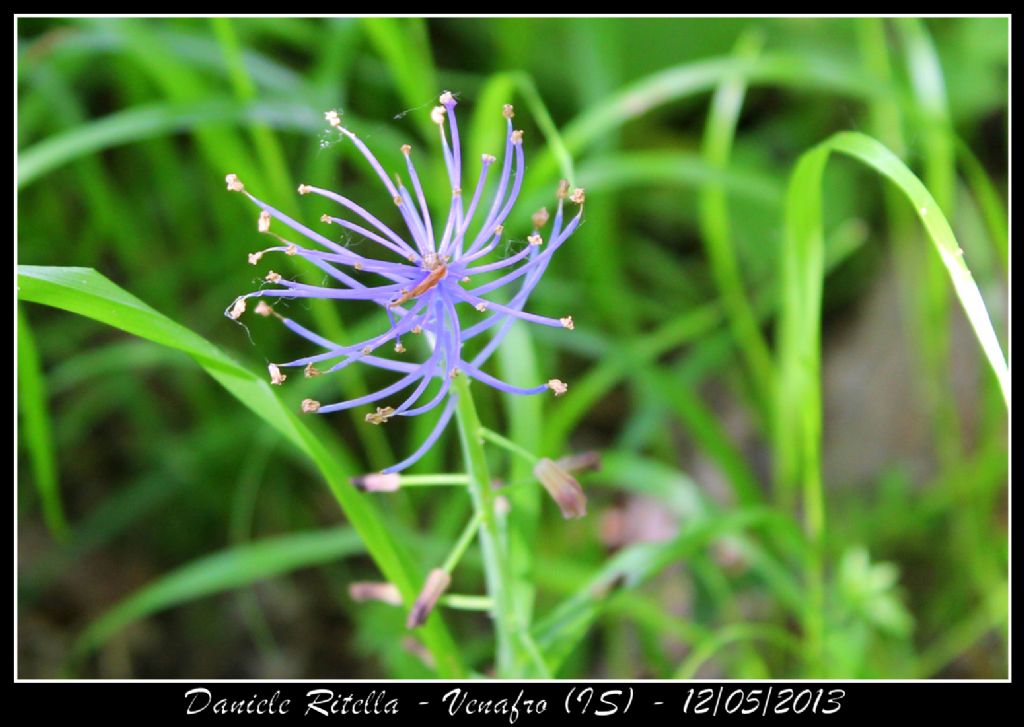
[{"x": 496, "y": 570}]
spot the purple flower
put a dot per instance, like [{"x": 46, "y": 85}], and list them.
[{"x": 428, "y": 279}]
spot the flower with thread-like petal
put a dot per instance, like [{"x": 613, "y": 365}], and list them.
[{"x": 425, "y": 278}]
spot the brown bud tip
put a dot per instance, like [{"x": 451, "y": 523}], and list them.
[
  {"x": 276, "y": 377},
  {"x": 237, "y": 309},
  {"x": 310, "y": 406},
  {"x": 562, "y": 487},
  {"x": 263, "y": 309},
  {"x": 507, "y": 111},
  {"x": 381, "y": 415},
  {"x": 264, "y": 223},
  {"x": 437, "y": 115},
  {"x": 563, "y": 189},
  {"x": 447, "y": 99},
  {"x": 582, "y": 462},
  {"x": 377, "y": 482},
  {"x": 234, "y": 183},
  {"x": 557, "y": 386},
  {"x": 517, "y": 136},
  {"x": 437, "y": 582},
  {"x": 310, "y": 371},
  {"x": 567, "y": 323},
  {"x": 362, "y": 591},
  {"x": 540, "y": 218},
  {"x": 579, "y": 196}
]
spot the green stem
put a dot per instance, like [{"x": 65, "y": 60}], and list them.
[
  {"x": 463, "y": 543},
  {"x": 508, "y": 444},
  {"x": 494, "y": 558},
  {"x": 467, "y": 602},
  {"x": 441, "y": 480}
]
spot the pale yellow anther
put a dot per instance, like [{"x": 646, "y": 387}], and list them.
[
  {"x": 358, "y": 266},
  {"x": 567, "y": 322},
  {"x": 273, "y": 277},
  {"x": 454, "y": 372},
  {"x": 263, "y": 309},
  {"x": 310, "y": 371},
  {"x": 367, "y": 349},
  {"x": 507, "y": 111},
  {"x": 264, "y": 223},
  {"x": 237, "y": 309},
  {"x": 399, "y": 348},
  {"x": 579, "y": 196},
  {"x": 517, "y": 136},
  {"x": 310, "y": 406},
  {"x": 234, "y": 183},
  {"x": 457, "y": 192},
  {"x": 406, "y": 149},
  {"x": 557, "y": 386},
  {"x": 499, "y": 229},
  {"x": 332, "y": 118},
  {"x": 563, "y": 189},
  {"x": 481, "y": 306},
  {"x": 397, "y": 200},
  {"x": 540, "y": 218},
  {"x": 535, "y": 240},
  {"x": 276, "y": 377},
  {"x": 291, "y": 250},
  {"x": 381, "y": 415},
  {"x": 437, "y": 115},
  {"x": 254, "y": 257},
  {"x": 488, "y": 158},
  {"x": 305, "y": 189},
  {"x": 417, "y": 330},
  {"x": 325, "y": 218},
  {"x": 446, "y": 98},
  {"x": 464, "y": 279}
]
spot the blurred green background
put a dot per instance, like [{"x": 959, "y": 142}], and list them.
[{"x": 204, "y": 545}]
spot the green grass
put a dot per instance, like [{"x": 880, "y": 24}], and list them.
[{"x": 725, "y": 286}]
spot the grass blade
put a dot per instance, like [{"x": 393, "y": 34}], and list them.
[
  {"x": 86, "y": 292},
  {"x": 37, "y": 432},
  {"x": 227, "y": 570}
]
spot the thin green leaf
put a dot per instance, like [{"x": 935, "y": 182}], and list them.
[
  {"x": 32, "y": 400},
  {"x": 86, "y": 292},
  {"x": 235, "y": 567}
]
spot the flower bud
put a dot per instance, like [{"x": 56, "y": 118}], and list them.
[
  {"x": 436, "y": 584},
  {"x": 563, "y": 487},
  {"x": 377, "y": 482},
  {"x": 362, "y": 591}
]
